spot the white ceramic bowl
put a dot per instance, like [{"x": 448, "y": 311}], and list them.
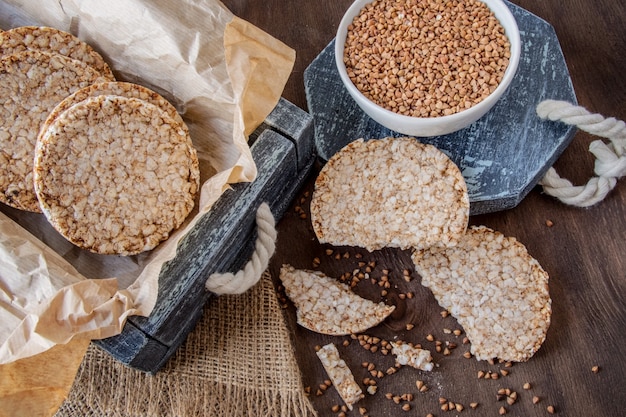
[{"x": 430, "y": 126}]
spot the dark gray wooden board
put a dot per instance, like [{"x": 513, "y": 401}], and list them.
[
  {"x": 503, "y": 155},
  {"x": 222, "y": 241}
]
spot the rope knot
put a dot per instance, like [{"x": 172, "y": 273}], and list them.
[
  {"x": 238, "y": 283},
  {"x": 610, "y": 164}
]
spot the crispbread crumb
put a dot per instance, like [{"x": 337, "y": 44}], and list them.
[
  {"x": 340, "y": 375},
  {"x": 412, "y": 356},
  {"x": 494, "y": 288},
  {"x": 391, "y": 192}
]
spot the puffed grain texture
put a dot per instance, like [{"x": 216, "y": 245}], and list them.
[
  {"x": 327, "y": 306},
  {"x": 114, "y": 88},
  {"x": 407, "y": 354},
  {"x": 116, "y": 175},
  {"x": 390, "y": 192},
  {"x": 31, "y": 84},
  {"x": 51, "y": 40},
  {"x": 498, "y": 293},
  {"x": 340, "y": 375}
]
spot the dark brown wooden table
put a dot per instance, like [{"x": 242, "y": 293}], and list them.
[{"x": 584, "y": 250}]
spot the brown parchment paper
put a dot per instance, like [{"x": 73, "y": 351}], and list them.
[{"x": 224, "y": 76}]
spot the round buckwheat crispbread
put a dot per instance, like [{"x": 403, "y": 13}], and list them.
[
  {"x": 116, "y": 175},
  {"x": 327, "y": 306},
  {"x": 31, "y": 84},
  {"x": 51, "y": 40},
  {"x": 114, "y": 88},
  {"x": 391, "y": 192},
  {"x": 497, "y": 292}
]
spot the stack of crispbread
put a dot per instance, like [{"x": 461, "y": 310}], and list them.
[
  {"x": 110, "y": 164},
  {"x": 39, "y": 67}
]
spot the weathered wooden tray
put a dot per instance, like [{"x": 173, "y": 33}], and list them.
[
  {"x": 283, "y": 150},
  {"x": 504, "y": 154}
]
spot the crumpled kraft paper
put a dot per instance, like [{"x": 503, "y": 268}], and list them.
[
  {"x": 38, "y": 385},
  {"x": 224, "y": 76}
]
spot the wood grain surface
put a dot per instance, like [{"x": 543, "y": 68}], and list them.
[{"x": 583, "y": 249}]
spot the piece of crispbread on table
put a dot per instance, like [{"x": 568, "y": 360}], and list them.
[
  {"x": 407, "y": 354},
  {"x": 340, "y": 375},
  {"x": 114, "y": 88},
  {"x": 391, "y": 192},
  {"x": 497, "y": 292},
  {"x": 51, "y": 40},
  {"x": 325, "y": 305},
  {"x": 115, "y": 175},
  {"x": 31, "y": 84}
]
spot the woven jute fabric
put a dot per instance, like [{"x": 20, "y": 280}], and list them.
[{"x": 239, "y": 361}]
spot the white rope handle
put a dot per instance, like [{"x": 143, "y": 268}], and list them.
[
  {"x": 610, "y": 164},
  {"x": 229, "y": 283}
]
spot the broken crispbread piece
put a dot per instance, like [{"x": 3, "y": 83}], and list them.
[
  {"x": 407, "y": 354},
  {"x": 340, "y": 375},
  {"x": 391, "y": 192},
  {"x": 494, "y": 288},
  {"x": 327, "y": 306}
]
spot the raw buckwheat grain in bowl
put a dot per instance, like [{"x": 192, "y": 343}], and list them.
[
  {"x": 413, "y": 64},
  {"x": 390, "y": 192}
]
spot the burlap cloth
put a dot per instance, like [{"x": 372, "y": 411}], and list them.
[{"x": 239, "y": 361}]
